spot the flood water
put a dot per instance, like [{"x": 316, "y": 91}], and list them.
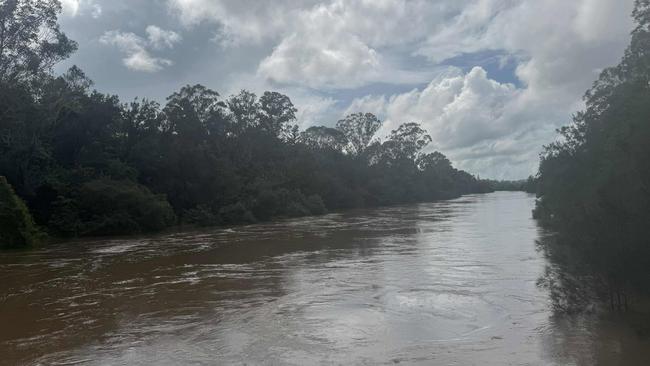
[{"x": 447, "y": 283}]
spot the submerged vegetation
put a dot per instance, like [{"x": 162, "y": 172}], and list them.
[
  {"x": 87, "y": 164},
  {"x": 594, "y": 184}
]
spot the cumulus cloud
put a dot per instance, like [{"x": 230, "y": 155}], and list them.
[
  {"x": 136, "y": 48},
  {"x": 483, "y": 125},
  {"x": 324, "y": 61}
]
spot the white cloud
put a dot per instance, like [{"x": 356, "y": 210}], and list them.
[
  {"x": 324, "y": 61},
  {"x": 458, "y": 110},
  {"x": 160, "y": 38},
  {"x": 483, "y": 125},
  {"x": 136, "y": 48},
  {"x": 74, "y": 8},
  {"x": 565, "y": 43},
  {"x": 70, "y": 7},
  {"x": 326, "y": 44}
]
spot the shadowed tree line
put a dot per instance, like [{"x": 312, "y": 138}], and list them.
[
  {"x": 594, "y": 183},
  {"x": 87, "y": 164},
  {"x": 525, "y": 185}
]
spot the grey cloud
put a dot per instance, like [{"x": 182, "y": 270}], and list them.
[
  {"x": 160, "y": 38},
  {"x": 137, "y": 49}
]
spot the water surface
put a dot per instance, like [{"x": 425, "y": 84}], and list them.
[{"x": 447, "y": 283}]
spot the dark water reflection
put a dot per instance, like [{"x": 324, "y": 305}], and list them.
[{"x": 450, "y": 283}]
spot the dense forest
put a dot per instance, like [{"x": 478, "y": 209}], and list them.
[
  {"x": 594, "y": 183},
  {"x": 86, "y": 163}
]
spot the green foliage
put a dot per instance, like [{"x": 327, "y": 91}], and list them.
[
  {"x": 201, "y": 215},
  {"x": 286, "y": 203},
  {"x": 594, "y": 184},
  {"x": 235, "y": 214},
  {"x": 17, "y": 228},
  {"x": 111, "y": 207},
  {"x": 315, "y": 205}
]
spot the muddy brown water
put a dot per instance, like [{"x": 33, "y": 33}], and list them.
[{"x": 446, "y": 283}]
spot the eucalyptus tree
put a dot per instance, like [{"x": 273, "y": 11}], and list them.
[
  {"x": 321, "y": 137},
  {"x": 31, "y": 41},
  {"x": 276, "y": 113},
  {"x": 359, "y": 130}
]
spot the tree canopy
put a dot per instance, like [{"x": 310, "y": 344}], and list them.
[{"x": 31, "y": 42}]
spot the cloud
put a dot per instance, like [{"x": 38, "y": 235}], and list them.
[
  {"x": 70, "y": 7},
  {"x": 241, "y": 21},
  {"x": 348, "y": 43},
  {"x": 160, "y": 38},
  {"x": 483, "y": 125},
  {"x": 458, "y": 110},
  {"x": 560, "y": 47},
  {"x": 74, "y": 8},
  {"x": 326, "y": 44},
  {"x": 136, "y": 48},
  {"x": 563, "y": 44},
  {"x": 324, "y": 61}
]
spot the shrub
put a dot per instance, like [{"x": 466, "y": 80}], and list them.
[
  {"x": 284, "y": 202},
  {"x": 315, "y": 205},
  {"x": 296, "y": 209},
  {"x": 201, "y": 215},
  {"x": 65, "y": 219},
  {"x": 112, "y": 207},
  {"x": 236, "y": 214},
  {"x": 17, "y": 227},
  {"x": 267, "y": 204}
]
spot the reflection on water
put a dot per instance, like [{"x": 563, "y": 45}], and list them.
[{"x": 440, "y": 283}]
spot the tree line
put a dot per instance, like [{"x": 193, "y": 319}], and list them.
[
  {"x": 524, "y": 185},
  {"x": 594, "y": 183},
  {"x": 86, "y": 163}
]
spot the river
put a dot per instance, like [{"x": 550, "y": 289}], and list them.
[{"x": 445, "y": 283}]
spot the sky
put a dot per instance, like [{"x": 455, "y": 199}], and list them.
[{"x": 490, "y": 80}]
